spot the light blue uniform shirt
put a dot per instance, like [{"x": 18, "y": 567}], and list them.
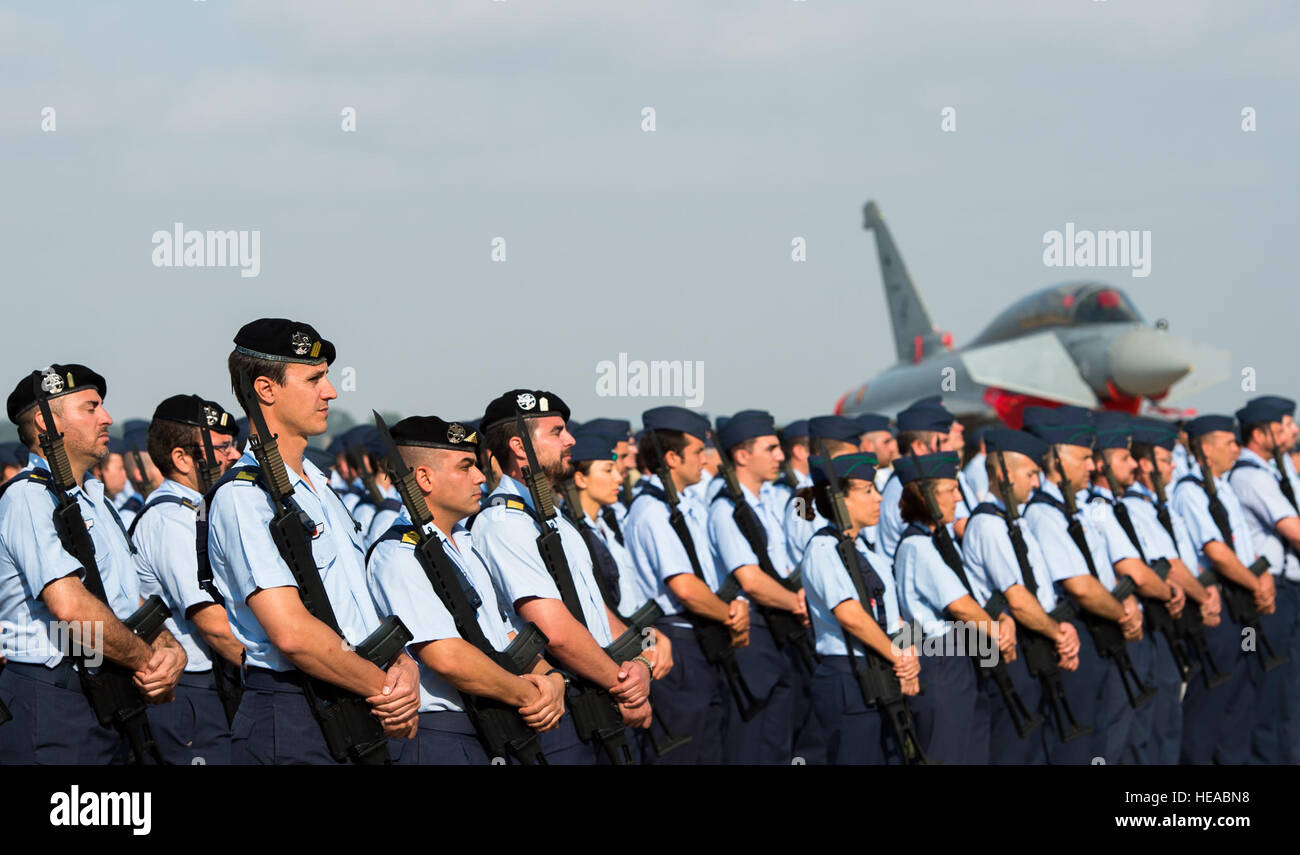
[
  {"x": 991, "y": 561},
  {"x": 507, "y": 541},
  {"x": 1156, "y": 543},
  {"x": 1194, "y": 505},
  {"x": 400, "y": 586},
  {"x": 244, "y": 558},
  {"x": 1102, "y": 514},
  {"x": 363, "y": 511},
  {"x": 926, "y": 585},
  {"x": 731, "y": 550},
  {"x": 31, "y": 557},
  {"x": 827, "y": 584},
  {"x": 1182, "y": 462},
  {"x": 797, "y": 530},
  {"x": 382, "y": 520},
  {"x": 977, "y": 479},
  {"x": 164, "y": 543},
  {"x": 1260, "y": 493},
  {"x": 119, "y": 501},
  {"x": 891, "y": 524},
  {"x": 1049, "y": 526},
  {"x": 659, "y": 553},
  {"x": 630, "y": 595}
]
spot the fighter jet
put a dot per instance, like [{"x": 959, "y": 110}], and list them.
[{"x": 1081, "y": 343}]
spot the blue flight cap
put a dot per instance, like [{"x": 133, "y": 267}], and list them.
[
  {"x": 16, "y": 453},
  {"x": 743, "y": 426},
  {"x": 927, "y": 417},
  {"x": 870, "y": 422},
  {"x": 319, "y": 457},
  {"x": 942, "y": 464},
  {"x": 796, "y": 429},
  {"x": 1005, "y": 439},
  {"x": 677, "y": 419},
  {"x": 1114, "y": 430},
  {"x": 860, "y": 465},
  {"x": 1259, "y": 411},
  {"x": 1202, "y": 425},
  {"x": 116, "y": 446},
  {"x": 1061, "y": 426},
  {"x": 834, "y": 427},
  {"x": 1155, "y": 432},
  {"x": 593, "y": 446},
  {"x": 1286, "y": 405},
  {"x": 617, "y": 429}
]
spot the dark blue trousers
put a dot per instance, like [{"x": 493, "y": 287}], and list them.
[
  {"x": 1086, "y": 687},
  {"x": 1006, "y": 747},
  {"x": 1217, "y": 722},
  {"x": 1275, "y": 736},
  {"x": 809, "y": 736},
  {"x": 274, "y": 724},
  {"x": 1159, "y": 727},
  {"x": 767, "y": 738},
  {"x": 855, "y": 734},
  {"x": 445, "y": 738},
  {"x": 563, "y": 748},
  {"x": 52, "y": 720},
  {"x": 692, "y": 700},
  {"x": 951, "y": 713},
  {"x": 192, "y": 729},
  {"x": 1123, "y": 723}
]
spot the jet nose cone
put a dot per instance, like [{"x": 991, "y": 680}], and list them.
[{"x": 1147, "y": 362}]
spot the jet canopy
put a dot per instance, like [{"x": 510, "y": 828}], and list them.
[{"x": 1067, "y": 305}]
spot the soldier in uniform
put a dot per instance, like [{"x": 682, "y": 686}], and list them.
[
  {"x": 1217, "y": 724},
  {"x": 1274, "y": 525},
  {"x": 619, "y": 432},
  {"x": 1150, "y": 653},
  {"x": 992, "y": 565},
  {"x": 952, "y": 716},
  {"x": 855, "y": 732},
  {"x": 977, "y": 476},
  {"x": 194, "y": 729},
  {"x": 43, "y": 586},
  {"x": 827, "y": 435},
  {"x": 1153, "y": 444},
  {"x": 287, "y": 363},
  {"x": 506, "y": 532},
  {"x": 794, "y": 470},
  {"x": 923, "y": 428},
  {"x": 676, "y": 569},
  {"x": 1080, "y": 568},
  {"x": 443, "y": 458}
]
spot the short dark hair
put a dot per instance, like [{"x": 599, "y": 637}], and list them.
[
  {"x": 164, "y": 436},
  {"x": 1142, "y": 450},
  {"x": 496, "y": 441},
  {"x": 647, "y": 457},
  {"x": 747, "y": 445},
  {"x": 789, "y": 442},
  {"x": 912, "y": 506},
  {"x": 241, "y": 363},
  {"x": 1247, "y": 431},
  {"x": 907, "y": 437}
]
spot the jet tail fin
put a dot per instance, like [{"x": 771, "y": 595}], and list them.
[{"x": 914, "y": 333}]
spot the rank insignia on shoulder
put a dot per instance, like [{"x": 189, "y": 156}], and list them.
[
  {"x": 410, "y": 537},
  {"x": 246, "y": 476},
  {"x": 515, "y": 505}
]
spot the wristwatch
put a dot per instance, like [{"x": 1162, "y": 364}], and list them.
[
  {"x": 646, "y": 662},
  {"x": 568, "y": 681}
]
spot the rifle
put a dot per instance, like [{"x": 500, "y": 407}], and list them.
[
  {"x": 351, "y": 732},
  {"x": 786, "y": 629},
  {"x": 876, "y": 679},
  {"x": 1157, "y": 613},
  {"x": 713, "y": 636},
  {"x": 229, "y": 690},
  {"x": 500, "y": 727},
  {"x": 138, "y": 477},
  {"x": 788, "y": 476},
  {"x": 1190, "y": 627},
  {"x": 1106, "y": 634},
  {"x": 629, "y": 644},
  {"x": 1039, "y": 651},
  {"x": 109, "y": 688},
  {"x": 359, "y": 462},
  {"x": 595, "y": 714},
  {"x": 1239, "y": 600}
]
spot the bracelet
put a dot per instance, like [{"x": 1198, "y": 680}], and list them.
[
  {"x": 563, "y": 676},
  {"x": 646, "y": 662}
]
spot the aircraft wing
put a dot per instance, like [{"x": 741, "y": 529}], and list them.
[
  {"x": 1037, "y": 365},
  {"x": 1210, "y": 366}
]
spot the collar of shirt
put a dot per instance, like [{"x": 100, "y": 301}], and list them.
[
  {"x": 1267, "y": 465},
  {"x": 89, "y": 488},
  {"x": 309, "y": 469},
  {"x": 1140, "y": 488},
  {"x": 1104, "y": 492},
  {"x": 508, "y": 486},
  {"x": 176, "y": 488},
  {"x": 1052, "y": 489}
]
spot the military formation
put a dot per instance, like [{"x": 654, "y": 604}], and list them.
[{"x": 522, "y": 588}]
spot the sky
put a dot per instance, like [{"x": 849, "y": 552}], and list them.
[{"x": 484, "y": 127}]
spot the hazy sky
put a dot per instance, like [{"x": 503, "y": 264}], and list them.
[{"x": 478, "y": 119}]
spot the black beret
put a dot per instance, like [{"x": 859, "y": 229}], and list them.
[
  {"x": 193, "y": 410},
  {"x": 52, "y": 382},
  {"x": 433, "y": 432},
  {"x": 677, "y": 419},
  {"x": 283, "y": 340},
  {"x": 529, "y": 403}
]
